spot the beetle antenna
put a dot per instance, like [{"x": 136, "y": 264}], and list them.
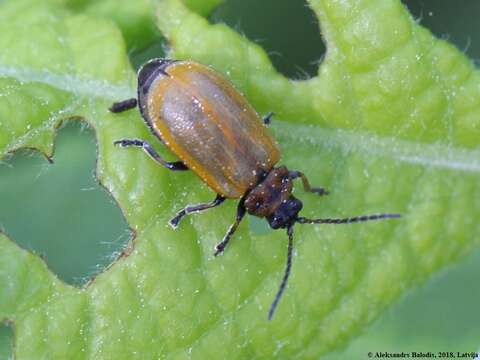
[
  {"x": 281, "y": 289},
  {"x": 354, "y": 219}
]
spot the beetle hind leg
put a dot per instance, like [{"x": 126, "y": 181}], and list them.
[
  {"x": 123, "y": 105},
  {"x": 175, "y": 165},
  {"x": 195, "y": 208},
  {"x": 306, "y": 184}
]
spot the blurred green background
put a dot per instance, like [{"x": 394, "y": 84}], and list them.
[{"x": 60, "y": 212}]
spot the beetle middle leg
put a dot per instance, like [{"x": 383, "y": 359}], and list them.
[
  {"x": 268, "y": 118},
  {"x": 223, "y": 244},
  {"x": 195, "y": 208},
  {"x": 306, "y": 183},
  {"x": 175, "y": 165}
]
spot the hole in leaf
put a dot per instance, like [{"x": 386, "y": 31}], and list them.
[
  {"x": 288, "y": 30},
  {"x": 456, "y": 21},
  {"x": 155, "y": 50},
  {"x": 58, "y": 210},
  {"x": 6, "y": 341}
]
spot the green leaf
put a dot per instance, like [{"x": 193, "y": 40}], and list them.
[
  {"x": 135, "y": 18},
  {"x": 390, "y": 124}
]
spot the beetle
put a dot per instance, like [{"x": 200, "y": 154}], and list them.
[{"x": 217, "y": 134}]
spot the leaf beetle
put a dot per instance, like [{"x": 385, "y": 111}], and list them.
[{"x": 217, "y": 134}]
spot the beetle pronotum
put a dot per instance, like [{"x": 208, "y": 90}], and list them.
[{"x": 215, "y": 132}]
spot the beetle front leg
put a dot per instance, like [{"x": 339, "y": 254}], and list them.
[
  {"x": 175, "y": 165},
  {"x": 195, "y": 208},
  {"x": 306, "y": 184},
  {"x": 223, "y": 244}
]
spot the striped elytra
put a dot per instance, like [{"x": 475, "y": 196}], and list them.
[{"x": 209, "y": 125}]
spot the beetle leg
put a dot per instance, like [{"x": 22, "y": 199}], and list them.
[
  {"x": 268, "y": 118},
  {"x": 175, "y": 165},
  {"x": 223, "y": 244},
  {"x": 306, "y": 184},
  {"x": 123, "y": 105},
  {"x": 195, "y": 208}
]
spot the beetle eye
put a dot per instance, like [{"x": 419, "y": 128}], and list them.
[{"x": 261, "y": 204}]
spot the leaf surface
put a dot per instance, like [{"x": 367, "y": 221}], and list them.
[{"x": 390, "y": 124}]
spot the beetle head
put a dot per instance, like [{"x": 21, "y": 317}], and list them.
[
  {"x": 286, "y": 214},
  {"x": 272, "y": 199}
]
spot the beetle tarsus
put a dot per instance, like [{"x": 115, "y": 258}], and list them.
[
  {"x": 306, "y": 184},
  {"x": 123, "y": 105},
  {"x": 195, "y": 208},
  {"x": 127, "y": 142},
  {"x": 268, "y": 118},
  {"x": 220, "y": 247},
  {"x": 174, "y": 221},
  {"x": 319, "y": 191}
]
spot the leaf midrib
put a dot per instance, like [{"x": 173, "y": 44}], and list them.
[
  {"x": 82, "y": 86},
  {"x": 436, "y": 155}
]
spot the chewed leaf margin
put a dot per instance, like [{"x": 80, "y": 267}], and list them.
[{"x": 170, "y": 297}]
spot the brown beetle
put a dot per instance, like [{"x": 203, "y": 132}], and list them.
[{"x": 215, "y": 132}]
